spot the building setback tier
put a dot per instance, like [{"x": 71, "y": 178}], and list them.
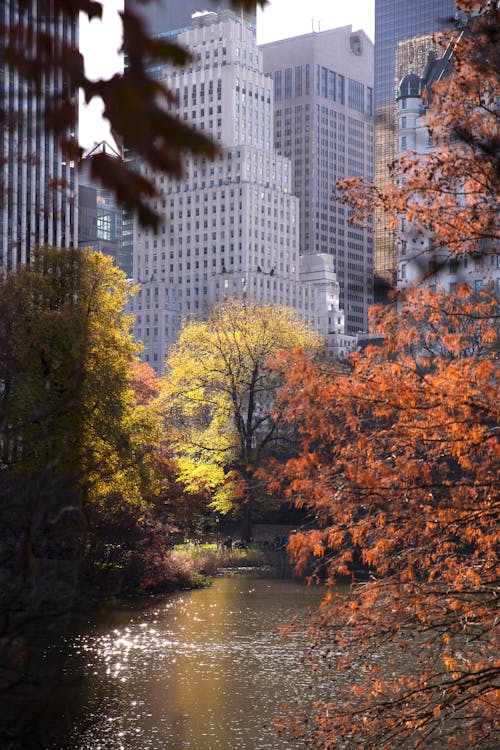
[{"x": 231, "y": 225}]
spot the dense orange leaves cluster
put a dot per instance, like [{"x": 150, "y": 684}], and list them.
[
  {"x": 451, "y": 193},
  {"x": 145, "y": 383},
  {"x": 398, "y": 461}
]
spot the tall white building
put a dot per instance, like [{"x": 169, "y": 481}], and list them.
[
  {"x": 231, "y": 225},
  {"x": 418, "y": 260},
  {"x": 323, "y": 115},
  {"x": 38, "y": 186}
]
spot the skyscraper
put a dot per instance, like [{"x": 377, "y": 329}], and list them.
[
  {"x": 323, "y": 117},
  {"x": 231, "y": 224},
  {"x": 169, "y": 18},
  {"x": 173, "y": 17},
  {"x": 395, "y": 22},
  {"x": 37, "y": 184}
]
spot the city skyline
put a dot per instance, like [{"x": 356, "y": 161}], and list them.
[
  {"x": 32, "y": 212},
  {"x": 275, "y": 23},
  {"x": 324, "y": 124},
  {"x": 231, "y": 224}
]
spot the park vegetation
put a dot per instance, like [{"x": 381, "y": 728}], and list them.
[
  {"x": 219, "y": 401},
  {"x": 399, "y": 458},
  {"x": 395, "y": 459}
]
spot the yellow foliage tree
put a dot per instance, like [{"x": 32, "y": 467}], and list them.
[{"x": 218, "y": 395}]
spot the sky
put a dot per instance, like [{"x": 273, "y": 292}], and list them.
[{"x": 100, "y": 42}]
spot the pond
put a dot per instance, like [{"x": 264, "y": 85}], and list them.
[{"x": 204, "y": 670}]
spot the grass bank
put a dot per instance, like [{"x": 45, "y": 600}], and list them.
[{"x": 201, "y": 562}]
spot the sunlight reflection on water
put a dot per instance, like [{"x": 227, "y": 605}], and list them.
[{"x": 205, "y": 670}]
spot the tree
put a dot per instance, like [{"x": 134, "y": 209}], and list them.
[
  {"x": 399, "y": 460},
  {"x": 170, "y": 501},
  {"x": 135, "y": 103},
  {"x": 219, "y": 395},
  {"x": 71, "y": 441},
  {"x": 452, "y": 193},
  {"x": 399, "y": 464}
]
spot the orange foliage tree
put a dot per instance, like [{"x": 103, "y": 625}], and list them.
[
  {"x": 452, "y": 193},
  {"x": 398, "y": 464}
]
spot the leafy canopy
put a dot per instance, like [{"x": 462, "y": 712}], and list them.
[
  {"x": 219, "y": 393},
  {"x": 399, "y": 459}
]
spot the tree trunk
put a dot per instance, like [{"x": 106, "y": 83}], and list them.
[
  {"x": 248, "y": 500},
  {"x": 246, "y": 523}
]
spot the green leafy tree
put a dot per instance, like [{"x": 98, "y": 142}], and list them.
[
  {"x": 73, "y": 441},
  {"x": 218, "y": 396}
]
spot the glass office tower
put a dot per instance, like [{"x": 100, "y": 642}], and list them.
[
  {"x": 323, "y": 116},
  {"x": 395, "y": 22},
  {"x": 37, "y": 184}
]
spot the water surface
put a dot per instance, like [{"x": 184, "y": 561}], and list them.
[{"x": 204, "y": 670}]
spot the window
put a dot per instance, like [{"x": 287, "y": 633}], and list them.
[
  {"x": 341, "y": 89},
  {"x": 298, "y": 80},
  {"x": 369, "y": 102},
  {"x": 308, "y": 79},
  {"x": 105, "y": 225},
  {"x": 331, "y": 85},
  {"x": 277, "y": 85},
  {"x": 356, "y": 94},
  {"x": 288, "y": 83},
  {"x": 324, "y": 80}
]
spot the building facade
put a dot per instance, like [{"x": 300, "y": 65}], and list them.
[
  {"x": 232, "y": 224},
  {"x": 168, "y": 19},
  {"x": 38, "y": 186},
  {"x": 175, "y": 16},
  {"x": 323, "y": 117},
  {"x": 397, "y": 21},
  {"x": 100, "y": 219},
  {"x": 418, "y": 261}
]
